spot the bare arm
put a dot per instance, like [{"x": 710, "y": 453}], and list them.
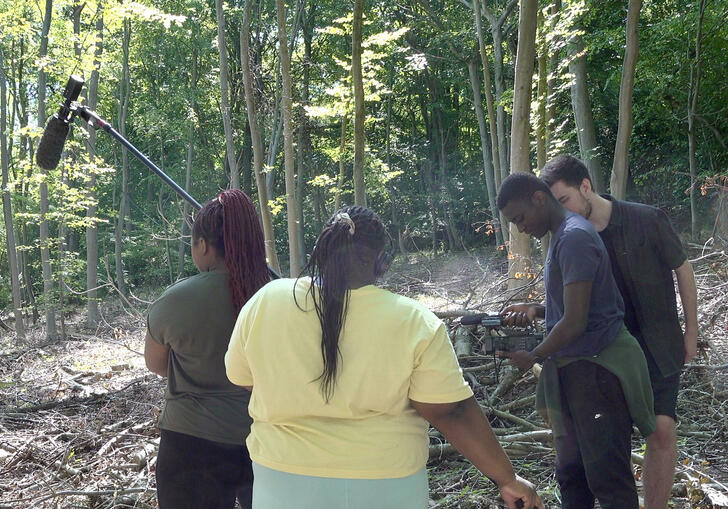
[
  {"x": 689, "y": 298},
  {"x": 571, "y": 326},
  {"x": 463, "y": 424},
  {"x": 156, "y": 356}
]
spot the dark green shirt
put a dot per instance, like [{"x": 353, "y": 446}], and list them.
[
  {"x": 194, "y": 318},
  {"x": 644, "y": 250}
]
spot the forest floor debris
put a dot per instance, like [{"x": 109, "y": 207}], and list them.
[{"x": 78, "y": 417}]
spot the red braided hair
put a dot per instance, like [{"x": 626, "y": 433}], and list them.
[{"x": 230, "y": 224}]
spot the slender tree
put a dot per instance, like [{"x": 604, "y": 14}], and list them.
[
  {"x": 294, "y": 249},
  {"x": 693, "y": 92},
  {"x": 520, "y": 152},
  {"x": 7, "y": 208},
  {"x": 124, "y": 95},
  {"x": 496, "y": 30},
  {"x": 45, "y": 254},
  {"x": 359, "y": 113},
  {"x": 184, "y": 231},
  {"x": 265, "y": 214},
  {"x": 583, "y": 118},
  {"x": 484, "y": 145},
  {"x": 225, "y": 96},
  {"x": 92, "y": 232},
  {"x": 492, "y": 117},
  {"x": 342, "y": 165},
  {"x": 303, "y": 134},
  {"x": 620, "y": 167}
]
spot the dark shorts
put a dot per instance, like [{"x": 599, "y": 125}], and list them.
[{"x": 664, "y": 388}]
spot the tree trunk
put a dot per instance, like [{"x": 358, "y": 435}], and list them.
[
  {"x": 485, "y": 148},
  {"x": 45, "y": 254},
  {"x": 692, "y": 112},
  {"x": 21, "y": 105},
  {"x": 342, "y": 167},
  {"x": 7, "y": 209},
  {"x": 493, "y": 123},
  {"x": 426, "y": 167},
  {"x": 304, "y": 141},
  {"x": 277, "y": 124},
  {"x": 496, "y": 30},
  {"x": 552, "y": 83},
  {"x": 294, "y": 249},
  {"x": 583, "y": 113},
  {"x": 453, "y": 236},
  {"x": 492, "y": 116},
  {"x": 359, "y": 113},
  {"x": 275, "y": 136},
  {"x": 225, "y": 96},
  {"x": 520, "y": 262},
  {"x": 124, "y": 94},
  {"x": 393, "y": 202},
  {"x": 620, "y": 167},
  {"x": 265, "y": 214},
  {"x": 541, "y": 95},
  {"x": 184, "y": 230},
  {"x": 246, "y": 160},
  {"x": 92, "y": 232}
]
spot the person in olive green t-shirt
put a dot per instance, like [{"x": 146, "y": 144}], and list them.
[
  {"x": 203, "y": 461},
  {"x": 345, "y": 377}
]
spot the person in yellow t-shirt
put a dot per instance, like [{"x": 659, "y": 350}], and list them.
[{"x": 344, "y": 377}]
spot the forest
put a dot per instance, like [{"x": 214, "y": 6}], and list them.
[{"x": 417, "y": 109}]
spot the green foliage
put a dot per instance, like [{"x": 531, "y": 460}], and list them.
[{"x": 423, "y": 165}]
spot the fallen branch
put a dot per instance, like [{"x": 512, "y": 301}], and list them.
[
  {"x": 521, "y": 422},
  {"x": 87, "y": 494},
  {"x": 484, "y": 367},
  {"x": 716, "y": 367},
  {"x": 526, "y": 444},
  {"x": 505, "y": 385}
]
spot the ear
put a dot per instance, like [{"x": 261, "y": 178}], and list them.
[
  {"x": 585, "y": 187},
  {"x": 202, "y": 245},
  {"x": 538, "y": 199}
]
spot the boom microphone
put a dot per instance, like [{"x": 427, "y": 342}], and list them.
[
  {"x": 51, "y": 144},
  {"x": 54, "y": 137}
]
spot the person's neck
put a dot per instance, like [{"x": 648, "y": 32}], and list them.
[
  {"x": 558, "y": 214},
  {"x": 215, "y": 265},
  {"x": 357, "y": 283},
  {"x": 601, "y": 212}
]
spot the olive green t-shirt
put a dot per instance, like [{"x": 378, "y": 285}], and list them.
[{"x": 195, "y": 318}]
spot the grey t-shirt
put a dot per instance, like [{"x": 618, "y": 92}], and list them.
[
  {"x": 194, "y": 317},
  {"x": 576, "y": 253}
]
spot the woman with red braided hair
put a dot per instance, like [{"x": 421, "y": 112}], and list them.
[
  {"x": 203, "y": 461},
  {"x": 345, "y": 377}
]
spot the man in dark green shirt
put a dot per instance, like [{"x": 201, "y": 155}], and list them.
[{"x": 644, "y": 252}]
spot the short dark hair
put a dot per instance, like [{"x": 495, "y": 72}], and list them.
[
  {"x": 520, "y": 186},
  {"x": 568, "y": 169}
]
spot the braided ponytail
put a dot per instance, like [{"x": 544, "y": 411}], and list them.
[
  {"x": 352, "y": 234},
  {"x": 229, "y": 223}
]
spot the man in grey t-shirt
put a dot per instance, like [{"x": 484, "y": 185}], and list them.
[{"x": 583, "y": 314}]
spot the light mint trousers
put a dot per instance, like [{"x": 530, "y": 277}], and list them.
[{"x": 273, "y": 489}]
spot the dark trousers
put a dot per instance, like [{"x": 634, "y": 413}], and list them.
[
  {"x": 593, "y": 459},
  {"x": 194, "y": 473}
]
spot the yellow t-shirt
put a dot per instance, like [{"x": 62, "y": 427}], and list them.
[{"x": 392, "y": 350}]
